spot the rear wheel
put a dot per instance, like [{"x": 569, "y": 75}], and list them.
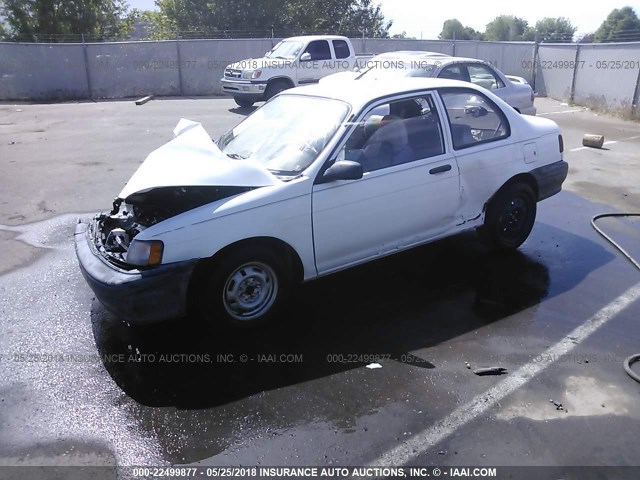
[
  {"x": 244, "y": 102},
  {"x": 510, "y": 216},
  {"x": 245, "y": 288}
]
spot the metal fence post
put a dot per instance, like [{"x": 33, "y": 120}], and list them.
[
  {"x": 179, "y": 64},
  {"x": 85, "y": 54},
  {"x": 535, "y": 62},
  {"x": 575, "y": 73},
  {"x": 453, "y": 45},
  {"x": 636, "y": 93}
]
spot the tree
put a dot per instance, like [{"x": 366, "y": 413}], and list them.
[
  {"x": 558, "y": 30},
  {"x": 247, "y": 17},
  {"x": 586, "y": 38},
  {"x": 621, "y": 25},
  {"x": 453, "y": 28},
  {"x": 66, "y": 19},
  {"x": 505, "y": 28},
  {"x": 403, "y": 35},
  {"x": 473, "y": 34}
]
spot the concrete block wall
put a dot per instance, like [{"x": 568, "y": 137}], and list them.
[
  {"x": 36, "y": 71},
  {"x": 605, "y": 76}
]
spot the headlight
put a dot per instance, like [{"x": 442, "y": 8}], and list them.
[
  {"x": 145, "y": 253},
  {"x": 250, "y": 74}
]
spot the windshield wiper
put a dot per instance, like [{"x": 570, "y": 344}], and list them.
[{"x": 235, "y": 156}]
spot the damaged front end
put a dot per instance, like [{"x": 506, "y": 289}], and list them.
[
  {"x": 123, "y": 263},
  {"x": 113, "y": 233}
]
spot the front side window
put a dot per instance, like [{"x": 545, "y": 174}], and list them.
[
  {"x": 483, "y": 76},
  {"x": 473, "y": 118},
  {"x": 319, "y": 50},
  {"x": 395, "y": 133},
  {"x": 287, "y": 134}
]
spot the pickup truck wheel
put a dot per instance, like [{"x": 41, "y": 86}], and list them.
[
  {"x": 510, "y": 216},
  {"x": 275, "y": 88},
  {"x": 244, "y": 102},
  {"x": 245, "y": 288}
]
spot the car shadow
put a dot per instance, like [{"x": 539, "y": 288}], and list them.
[
  {"x": 391, "y": 306},
  {"x": 246, "y": 111}
]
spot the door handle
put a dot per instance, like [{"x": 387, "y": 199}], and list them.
[{"x": 440, "y": 169}]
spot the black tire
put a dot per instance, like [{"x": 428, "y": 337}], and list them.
[
  {"x": 275, "y": 88},
  {"x": 510, "y": 216},
  {"x": 244, "y": 102},
  {"x": 245, "y": 288}
]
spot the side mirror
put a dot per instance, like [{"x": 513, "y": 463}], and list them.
[
  {"x": 305, "y": 57},
  {"x": 343, "y": 170}
]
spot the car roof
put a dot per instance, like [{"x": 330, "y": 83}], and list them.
[
  {"x": 410, "y": 54},
  {"x": 309, "y": 38},
  {"x": 448, "y": 59},
  {"x": 362, "y": 92}
]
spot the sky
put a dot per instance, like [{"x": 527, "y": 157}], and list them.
[{"x": 419, "y": 18}]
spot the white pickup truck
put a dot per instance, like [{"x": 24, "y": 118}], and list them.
[{"x": 293, "y": 62}]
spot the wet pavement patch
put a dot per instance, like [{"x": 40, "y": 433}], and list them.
[{"x": 298, "y": 392}]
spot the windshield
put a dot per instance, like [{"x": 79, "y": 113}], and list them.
[
  {"x": 397, "y": 69},
  {"x": 287, "y": 133},
  {"x": 285, "y": 49}
]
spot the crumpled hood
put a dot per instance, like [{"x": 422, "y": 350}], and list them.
[
  {"x": 258, "y": 63},
  {"x": 192, "y": 159}
]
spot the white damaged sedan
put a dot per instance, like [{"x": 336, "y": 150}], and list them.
[{"x": 317, "y": 180}]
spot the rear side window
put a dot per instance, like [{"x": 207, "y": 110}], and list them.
[
  {"x": 319, "y": 50},
  {"x": 454, "y": 72},
  {"x": 341, "y": 48},
  {"x": 474, "y": 119}
]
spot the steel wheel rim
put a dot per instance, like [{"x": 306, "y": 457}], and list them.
[
  {"x": 513, "y": 218},
  {"x": 250, "y": 291}
]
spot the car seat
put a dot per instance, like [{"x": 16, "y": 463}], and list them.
[{"x": 389, "y": 145}]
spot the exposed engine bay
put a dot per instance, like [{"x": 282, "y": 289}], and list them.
[{"x": 113, "y": 232}]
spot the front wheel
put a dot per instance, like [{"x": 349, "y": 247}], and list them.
[
  {"x": 510, "y": 216},
  {"x": 244, "y": 102},
  {"x": 274, "y": 88},
  {"x": 245, "y": 288}
]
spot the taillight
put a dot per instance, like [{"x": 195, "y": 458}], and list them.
[{"x": 560, "y": 143}]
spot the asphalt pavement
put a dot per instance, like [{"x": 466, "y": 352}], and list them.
[{"x": 81, "y": 388}]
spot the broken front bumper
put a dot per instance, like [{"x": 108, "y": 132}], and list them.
[{"x": 137, "y": 296}]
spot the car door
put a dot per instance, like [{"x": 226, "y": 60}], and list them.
[
  {"x": 320, "y": 59},
  {"x": 409, "y": 191}
]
